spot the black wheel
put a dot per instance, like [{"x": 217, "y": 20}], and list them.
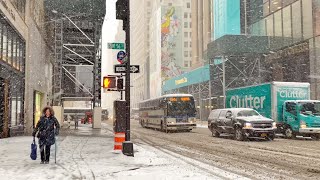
[
  {"x": 271, "y": 137},
  {"x": 238, "y": 134},
  {"x": 315, "y": 137},
  {"x": 163, "y": 128},
  {"x": 289, "y": 133},
  {"x": 215, "y": 133}
]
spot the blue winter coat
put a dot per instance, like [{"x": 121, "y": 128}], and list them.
[{"x": 47, "y": 128}]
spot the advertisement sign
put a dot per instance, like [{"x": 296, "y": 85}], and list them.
[{"x": 256, "y": 97}]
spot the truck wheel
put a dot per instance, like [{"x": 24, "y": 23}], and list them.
[
  {"x": 289, "y": 133},
  {"x": 315, "y": 137},
  {"x": 238, "y": 134},
  {"x": 215, "y": 133}
]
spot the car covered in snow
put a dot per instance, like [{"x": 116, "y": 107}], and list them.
[{"x": 242, "y": 123}]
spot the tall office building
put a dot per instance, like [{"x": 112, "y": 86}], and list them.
[
  {"x": 201, "y": 31},
  {"x": 140, "y": 47}
]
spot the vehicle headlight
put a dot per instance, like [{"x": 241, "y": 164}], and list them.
[
  {"x": 248, "y": 125},
  {"x": 303, "y": 124},
  {"x": 274, "y": 125}
]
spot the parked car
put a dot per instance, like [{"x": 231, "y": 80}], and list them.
[{"x": 242, "y": 123}]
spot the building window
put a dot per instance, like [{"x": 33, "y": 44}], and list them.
[
  {"x": 185, "y": 24},
  {"x": 275, "y": 5},
  {"x": 307, "y": 19},
  {"x": 185, "y": 34},
  {"x": 186, "y": 64},
  {"x": 190, "y": 53},
  {"x": 185, "y": 15},
  {"x": 190, "y": 44},
  {"x": 169, "y": 4},
  {"x": 188, "y": 5},
  {"x": 185, "y": 44},
  {"x": 12, "y": 47},
  {"x": 277, "y": 24},
  {"x": 296, "y": 21},
  {"x": 269, "y": 25},
  {"x": 190, "y": 34},
  {"x": 190, "y": 25},
  {"x": 287, "y": 22},
  {"x": 186, "y": 54}
]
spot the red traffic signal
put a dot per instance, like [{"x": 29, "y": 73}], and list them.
[{"x": 109, "y": 82}]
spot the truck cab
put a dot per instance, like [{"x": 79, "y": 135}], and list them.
[{"x": 301, "y": 117}]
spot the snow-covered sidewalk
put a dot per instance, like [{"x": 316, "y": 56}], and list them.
[{"x": 82, "y": 155}]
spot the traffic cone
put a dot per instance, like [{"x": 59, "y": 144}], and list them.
[{"x": 119, "y": 138}]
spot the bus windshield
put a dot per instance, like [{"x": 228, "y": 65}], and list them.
[
  {"x": 311, "y": 107},
  {"x": 181, "y": 106}
]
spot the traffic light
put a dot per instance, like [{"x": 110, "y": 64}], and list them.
[
  {"x": 120, "y": 83},
  {"x": 109, "y": 82}
]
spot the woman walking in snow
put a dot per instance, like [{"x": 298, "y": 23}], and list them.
[{"x": 46, "y": 129}]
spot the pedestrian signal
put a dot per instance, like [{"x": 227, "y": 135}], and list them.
[{"x": 109, "y": 82}]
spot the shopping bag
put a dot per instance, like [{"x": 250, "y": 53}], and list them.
[{"x": 33, "y": 154}]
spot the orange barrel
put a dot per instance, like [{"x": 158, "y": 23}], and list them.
[{"x": 119, "y": 138}]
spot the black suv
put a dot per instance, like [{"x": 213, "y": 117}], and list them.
[{"x": 242, "y": 123}]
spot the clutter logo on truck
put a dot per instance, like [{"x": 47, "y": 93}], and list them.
[
  {"x": 256, "y": 97},
  {"x": 294, "y": 93},
  {"x": 247, "y": 101}
]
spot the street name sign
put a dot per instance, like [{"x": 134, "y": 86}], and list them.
[
  {"x": 116, "y": 46},
  {"x": 122, "y": 69}
]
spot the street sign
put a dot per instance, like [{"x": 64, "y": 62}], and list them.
[
  {"x": 122, "y": 69},
  {"x": 115, "y": 45},
  {"x": 120, "y": 56}
]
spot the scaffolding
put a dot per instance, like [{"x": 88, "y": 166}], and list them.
[{"x": 76, "y": 42}]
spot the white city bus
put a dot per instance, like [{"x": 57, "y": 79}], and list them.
[{"x": 168, "y": 112}]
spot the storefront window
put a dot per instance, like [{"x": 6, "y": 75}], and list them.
[
  {"x": 4, "y": 44},
  {"x": 9, "y": 52},
  {"x": 37, "y": 107},
  {"x": 296, "y": 21},
  {"x": 14, "y": 109},
  {"x": 14, "y": 52},
  {"x": 307, "y": 19}
]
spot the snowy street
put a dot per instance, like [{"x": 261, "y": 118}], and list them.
[{"x": 88, "y": 154}]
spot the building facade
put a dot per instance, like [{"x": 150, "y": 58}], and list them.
[
  {"x": 170, "y": 42},
  {"x": 140, "y": 48},
  {"x": 294, "y": 26},
  {"x": 201, "y": 31},
  {"x": 25, "y": 66}
]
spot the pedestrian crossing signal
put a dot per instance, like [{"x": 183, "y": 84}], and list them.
[{"x": 109, "y": 82}]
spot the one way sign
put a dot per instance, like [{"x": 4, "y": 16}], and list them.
[{"x": 122, "y": 68}]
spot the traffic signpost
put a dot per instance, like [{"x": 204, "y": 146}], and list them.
[
  {"x": 121, "y": 56},
  {"x": 122, "y": 68},
  {"x": 116, "y": 46}
]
